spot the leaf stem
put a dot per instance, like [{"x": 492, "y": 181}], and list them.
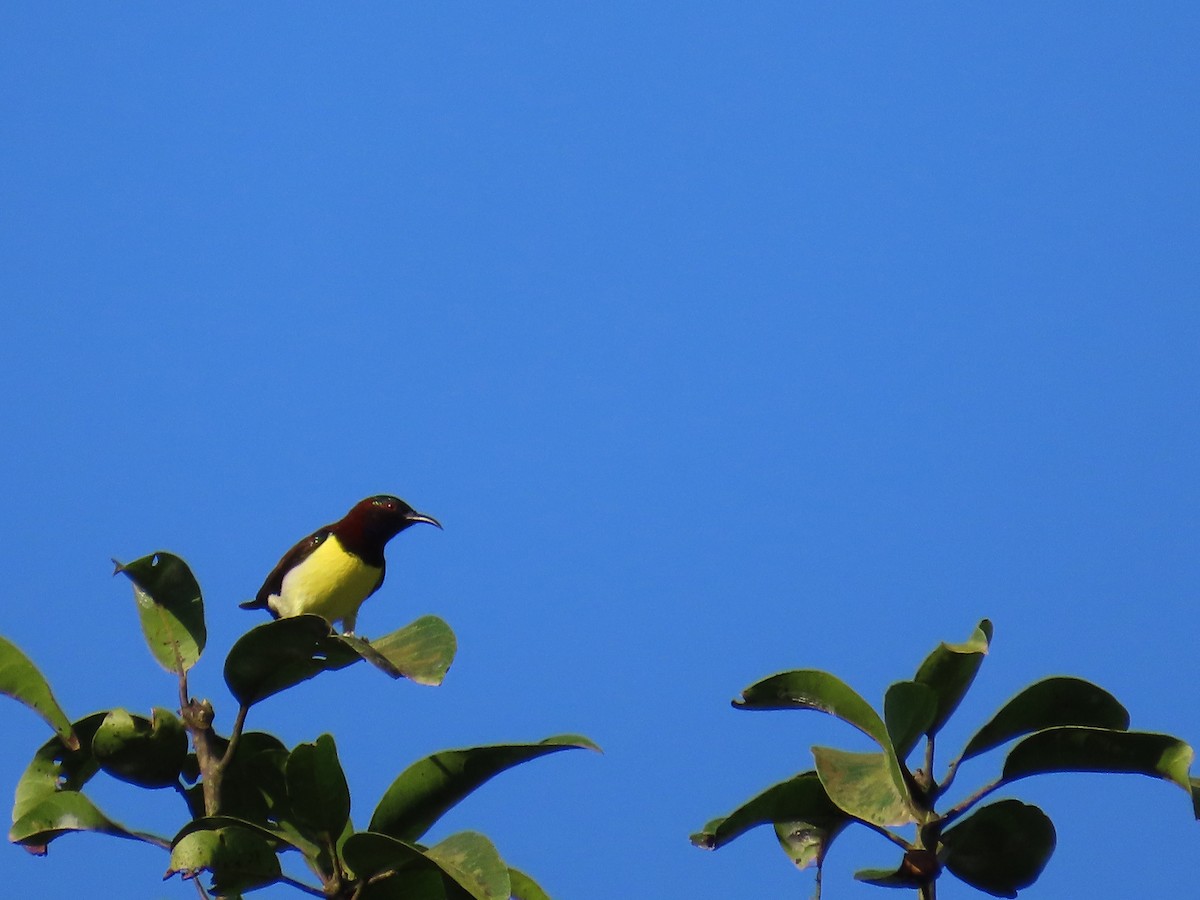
[
  {"x": 890, "y": 835},
  {"x": 238, "y": 724},
  {"x": 951, "y": 772},
  {"x": 152, "y": 839},
  {"x": 965, "y": 805},
  {"x": 301, "y": 886}
]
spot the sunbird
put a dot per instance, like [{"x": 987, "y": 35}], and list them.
[{"x": 333, "y": 570}]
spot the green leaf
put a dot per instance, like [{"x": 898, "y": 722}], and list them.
[
  {"x": 861, "y": 784},
  {"x": 56, "y": 767},
  {"x": 270, "y": 833},
  {"x": 369, "y": 853},
  {"x": 423, "y": 882},
  {"x": 820, "y": 691},
  {"x": 1070, "y": 748},
  {"x": 805, "y": 843},
  {"x": 64, "y": 812},
  {"x": 800, "y": 803},
  {"x": 421, "y": 651},
  {"x": 523, "y": 887},
  {"x": 254, "y": 786},
  {"x": 918, "y": 867},
  {"x": 949, "y": 671},
  {"x": 1001, "y": 848},
  {"x": 316, "y": 786},
  {"x": 238, "y": 858},
  {"x": 1045, "y": 704},
  {"x": 21, "y": 680},
  {"x": 427, "y": 789},
  {"x": 472, "y": 861},
  {"x": 909, "y": 708},
  {"x": 467, "y": 860},
  {"x": 814, "y": 689},
  {"x": 901, "y": 877},
  {"x": 282, "y": 653},
  {"x": 147, "y": 752},
  {"x": 170, "y": 607}
]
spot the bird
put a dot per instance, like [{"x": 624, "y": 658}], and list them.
[{"x": 333, "y": 570}]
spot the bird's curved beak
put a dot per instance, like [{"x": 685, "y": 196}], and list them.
[{"x": 414, "y": 517}]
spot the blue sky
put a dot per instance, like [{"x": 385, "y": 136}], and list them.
[{"x": 723, "y": 339}]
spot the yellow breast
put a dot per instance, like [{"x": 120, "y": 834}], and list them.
[{"x": 331, "y": 583}]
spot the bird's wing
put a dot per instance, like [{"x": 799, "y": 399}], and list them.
[{"x": 274, "y": 583}]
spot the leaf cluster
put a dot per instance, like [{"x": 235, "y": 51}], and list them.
[
  {"x": 1060, "y": 724},
  {"x": 250, "y": 799}
]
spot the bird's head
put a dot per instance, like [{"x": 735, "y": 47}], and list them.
[{"x": 382, "y": 517}]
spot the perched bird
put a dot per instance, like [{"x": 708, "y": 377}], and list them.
[{"x": 333, "y": 570}]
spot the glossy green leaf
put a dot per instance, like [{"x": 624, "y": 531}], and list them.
[
  {"x": 423, "y": 882},
  {"x": 56, "y": 767},
  {"x": 316, "y": 786},
  {"x": 369, "y": 853},
  {"x": 170, "y": 607},
  {"x": 238, "y": 858},
  {"x": 1046, "y": 704},
  {"x": 1071, "y": 748},
  {"x": 21, "y": 680},
  {"x": 267, "y": 831},
  {"x": 64, "y": 812},
  {"x": 523, "y": 887},
  {"x": 254, "y": 786},
  {"x": 1001, "y": 848},
  {"x": 861, "y": 784},
  {"x": 909, "y": 708},
  {"x": 801, "y": 802},
  {"x": 421, "y": 651},
  {"x": 820, "y": 691},
  {"x": 473, "y": 862},
  {"x": 817, "y": 690},
  {"x": 901, "y": 877},
  {"x": 805, "y": 843},
  {"x": 467, "y": 859},
  {"x": 279, "y": 654},
  {"x": 147, "y": 752},
  {"x": 427, "y": 789},
  {"x": 950, "y": 669}
]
